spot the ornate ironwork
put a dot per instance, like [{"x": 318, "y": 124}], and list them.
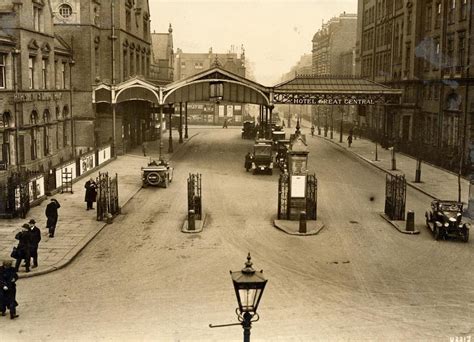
[
  {"x": 311, "y": 197},
  {"x": 283, "y": 196},
  {"x": 15, "y": 196},
  {"x": 107, "y": 197},
  {"x": 395, "y": 196}
]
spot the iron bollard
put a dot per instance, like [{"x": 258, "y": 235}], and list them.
[
  {"x": 418, "y": 171},
  {"x": 410, "y": 223},
  {"x": 191, "y": 220},
  {"x": 302, "y": 222}
]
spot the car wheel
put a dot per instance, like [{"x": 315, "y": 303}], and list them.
[{"x": 436, "y": 233}]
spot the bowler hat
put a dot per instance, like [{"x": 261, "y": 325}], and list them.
[
  {"x": 25, "y": 225},
  {"x": 32, "y": 221}
]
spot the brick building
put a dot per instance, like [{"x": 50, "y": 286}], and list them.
[
  {"x": 35, "y": 94},
  {"x": 189, "y": 64},
  {"x": 424, "y": 48},
  {"x": 162, "y": 68},
  {"x": 88, "y": 26}
]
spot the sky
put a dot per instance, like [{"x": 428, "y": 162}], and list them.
[{"x": 274, "y": 33}]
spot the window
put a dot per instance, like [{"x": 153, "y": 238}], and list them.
[
  {"x": 145, "y": 29},
  {"x": 65, "y": 11},
  {"x": 409, "y": 23},
  {"x": 97, "y": 60},
  {"x": 63, "y": 75},
  {"x": 463, "y": 10},
  {"x": 461, "y": 49},
  {"x": 37, "y": 18},
  {"x": 128, "y": 20},
  {"x": 452, "y": 8},
  {"x": 31, "y": 72},
  {"x": 438, "y": 15},
  {"x": 96, "y": 16},
  {"x": 450, "y": 48},
  {"x": 46, "y": 137},
  {"x": 65, "y": 126},
  {"x": 44, "y": 74},
  {"x": 2, "y": 71},
  {"x": 125, "y": 64},
  {"x": 132, "y": 60},
  {"x": 437, "y": 50},
  {"x": 34, "y": 135},
  {"x": 428, "y": 18}
]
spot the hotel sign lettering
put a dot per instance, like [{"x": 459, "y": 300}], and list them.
[
  {"x": 348, "y": 101},
  {"x": 37, "y": 96}
]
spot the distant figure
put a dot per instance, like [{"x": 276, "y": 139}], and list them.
[
  {"x": 349, "y": 140},
  {"x": 225, "y": 124},
  {"x": 8, "y": 278},
  {"x": 52, "y": 216},
  {"x": 35, "y": 240},
  {"x": 283, "y": 123},
  {"x": 144, "y": 148},
  {"x": 91, "y": 193},
  {"x": 24, "y": 247},
  {"x": 312, "y": 131}
]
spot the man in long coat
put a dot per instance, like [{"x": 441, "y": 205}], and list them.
[
  {"x": 8, "y": 278},
  {"x": 91, "y": 193},
  {"x": 52, "y": 216},
  {"x": 24, "y": 247},
  {"x": 35, "y": 240}
]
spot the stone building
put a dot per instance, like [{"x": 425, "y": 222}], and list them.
[
  {"x": 35, "y": 92},
  {"x": 336, "y": 38},
  {"x": 424, "y": 48},
  {"x": 88, "y": 26}
]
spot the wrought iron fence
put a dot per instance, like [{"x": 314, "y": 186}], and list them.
[{"x": 107, "y": 196}]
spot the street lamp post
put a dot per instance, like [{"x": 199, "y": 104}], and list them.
[
  {"x": 170, "y": 137},
  {"x": 249, "y": 286},
  {"x": 341, "y": 126}
]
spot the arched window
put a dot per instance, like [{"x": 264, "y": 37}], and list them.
[
  {"x": 453, "y": 102},
  {"x": 6, "y": 120},
  {"x": 65, "y": 10},
  {"x": 34, "y": 117},
  {"x": 46, "y": 135}
]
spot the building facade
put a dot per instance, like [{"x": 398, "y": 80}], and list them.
[
  {"x": 189, "y": 64},
  {"x": 425, "y": 48},
  {"x": 109, "y": 58},
  {"x": 35, "y": 92}
]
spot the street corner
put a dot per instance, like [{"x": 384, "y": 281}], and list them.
[
  {"x": 313, "y": 227},
  {"x": 193, "y": 228},
  {"x": 399, "y": 225}
]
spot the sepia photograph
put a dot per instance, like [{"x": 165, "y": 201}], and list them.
[{"x": 236, "y": 170}]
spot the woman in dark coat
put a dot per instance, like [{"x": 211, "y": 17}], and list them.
[
  {"x": 24, "y": 247},
  {"x": 91, "y": 193}
]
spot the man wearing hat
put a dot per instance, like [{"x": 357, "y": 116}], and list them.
[
  {"x": 52, "y": 216},
  {"x": 35, "y": 240},
  {"x": 24, "y": 247},
  {"x": 8, "y": 278}
]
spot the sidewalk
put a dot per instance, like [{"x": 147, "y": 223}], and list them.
[
  {"x": 76, "y": 226},
  {"x": 435, "y": 182}
]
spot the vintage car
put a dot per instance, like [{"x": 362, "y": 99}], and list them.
[
  {"x": 248, "y": 130},
  {"x": 262, "y": 156},
  {"x": 276, "y": 136},
  {"x": 445, "y": 220},
  {"x": 157, "y": 174}
]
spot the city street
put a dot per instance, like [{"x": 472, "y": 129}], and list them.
[{"x": 359, "y": 279}]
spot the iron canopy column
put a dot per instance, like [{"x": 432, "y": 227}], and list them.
[
  {"x": 185, "y": 120},
  {"x": 170, "y": 140},
  {"x": 180, "y": 131}
]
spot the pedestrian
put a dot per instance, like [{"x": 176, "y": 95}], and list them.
[
  {"x": 52, "y": 216},
  {"x": 91, "y": 193},
  {"x": 24, "y": 247},
  {"x": 35, "y": 240},
  {"x": 349, "y": 140},
  {"x": 144, "y": 148},
  {"x": 8, "y": 278},
  {"x": 248, "y": 161},
  {"x": 225, "y": 124}
]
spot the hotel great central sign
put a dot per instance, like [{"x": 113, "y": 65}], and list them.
[{"x": 335, "y": 98}]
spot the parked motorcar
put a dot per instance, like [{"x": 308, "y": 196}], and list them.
[
  {"x": 445, "y": 220},
  {"x": 157, "y": 174},
  {"x": 248, "y": 130},
  {"x": 262, "y": 156},
  {"x": 276, "y": 136}
]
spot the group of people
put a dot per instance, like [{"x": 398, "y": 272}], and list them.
[{"x": 28, "y": 241}]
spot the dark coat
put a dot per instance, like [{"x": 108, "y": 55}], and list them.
[
  {"x": 24, "y": 243},
  {"x": 91, "y": 191},
  {"x": 8, "y": 278},
  {"x": 52, "y": 213},
  {"x": 35, "y": 236}
]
